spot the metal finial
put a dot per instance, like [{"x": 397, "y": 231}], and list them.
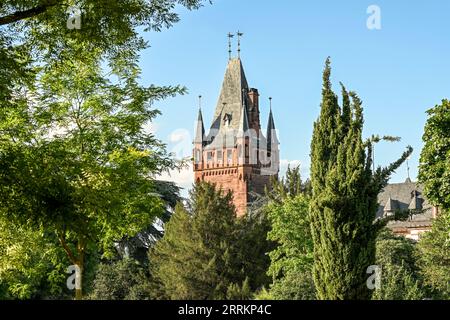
[
  {"x": 407, "y": 167},
  {"x": 239, "y": 35},
  {"x": 230, "y": 36},
  {"x": 270, "y": 103},
  {"x": 199, "y": 102}
]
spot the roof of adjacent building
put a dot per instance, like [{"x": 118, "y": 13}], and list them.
[{"x": 405, "y": 196}]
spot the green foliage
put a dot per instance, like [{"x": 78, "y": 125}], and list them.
[
  {"x": 289, "y": 186},
  {"x": 31, "y": 265},
  {"x": 198, "y": 257},
  {"x": 344, "y": 200},
  {"x": 121, "y": 280},
  {"x": 295, "y": 285},
  {"x": 253, "y": 245},
  {"x": 292, "y": 256},
  {"x": 74, "y": 158},
  {"x": 434, "y": 175},
  {"x": 263, "y": 294},
  {"x": 90, "y": 180},
  {"x": 434, "y": 169},
  {"x": 37, "y": 31},
  {"x": 400, "y": 278},
  {"x": 434, "y": 252},
  {"x": 291, "y": 232}
]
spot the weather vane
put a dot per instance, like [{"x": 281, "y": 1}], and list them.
[
  {"x": 239, "y": 35},
  {"x": 230, "y": 36}
]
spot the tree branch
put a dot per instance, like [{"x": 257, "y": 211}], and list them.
[
  {"x": 69, "y": 252},
  {"x": 21, "y": 15}
]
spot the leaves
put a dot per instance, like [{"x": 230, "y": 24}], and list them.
[
  {"x": 434, "y": 168},
  {"x": 200, "y": 256}
]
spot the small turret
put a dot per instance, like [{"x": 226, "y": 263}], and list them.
[
  {"x": 272, "y": 139},
  {"x": 200, "y": 129}
]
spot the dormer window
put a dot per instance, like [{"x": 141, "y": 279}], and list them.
[{"x": 227, "y": 120}]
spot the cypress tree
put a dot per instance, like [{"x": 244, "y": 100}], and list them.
[{"x": 344, "y": 200}]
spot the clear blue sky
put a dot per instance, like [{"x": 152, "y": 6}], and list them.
[{"x": 399, "y": 71}]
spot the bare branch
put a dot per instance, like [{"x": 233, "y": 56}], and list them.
[{"x": 21, "y": 15}]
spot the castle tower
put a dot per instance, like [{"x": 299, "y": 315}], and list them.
[{"x": 235, "y": 154}]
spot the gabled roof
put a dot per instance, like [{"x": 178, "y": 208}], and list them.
[
  {"x": 416, "y": 202},
  {"x": 402, "y": 196},
  {"x": 390, "y": 205}
]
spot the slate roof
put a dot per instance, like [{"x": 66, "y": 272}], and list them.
[
  {"x": 200, "y": 129},
  {"x": 231, "y": 100},
  {"x": 231, "y": 116},
  {"x": 404, "y": 196},
  {"x": 271, "y": 132}
]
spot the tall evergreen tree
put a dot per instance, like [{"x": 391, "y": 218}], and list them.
[
  {"x": 198, "y": 257},
  {"x": 344, "y": 200}
]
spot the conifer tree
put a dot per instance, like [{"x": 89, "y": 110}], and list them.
[
  {"x": 198, "y": 256},
  {"x": 344, "y": 200}
]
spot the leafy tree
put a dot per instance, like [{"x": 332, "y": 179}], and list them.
[
  {"x": 31, "y": 266},
  {"x": 434, "y": 249},
  {"x": 137, "y": 247},
  {"x": 291, "y": 259},
  {"x": 198, "y": 257},
  {"x": 344, "y": 200},
  {"x": 434, "y": 174},
  {"x": 74, "y": 158},
  {"x": 295, "y": 285},
  {"x": 434, "y": 169},
  {"x": 120, "y": 280},
  {"x": 291, "y": 231},
  {"x": 400, "y": 278},
  {"x": 36, "y": 31},
  {"x": 90, "y": 180}
]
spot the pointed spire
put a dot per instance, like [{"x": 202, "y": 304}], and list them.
[
  {"x": 200, "y": 129},
  {"x": 234, "y": 82},
  {"x": 272, "y": 138}
]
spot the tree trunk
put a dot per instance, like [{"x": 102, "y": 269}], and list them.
[{"x": 79, "y": 281}]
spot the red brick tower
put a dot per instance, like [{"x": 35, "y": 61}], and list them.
[{"x": 235, "y": 154}]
